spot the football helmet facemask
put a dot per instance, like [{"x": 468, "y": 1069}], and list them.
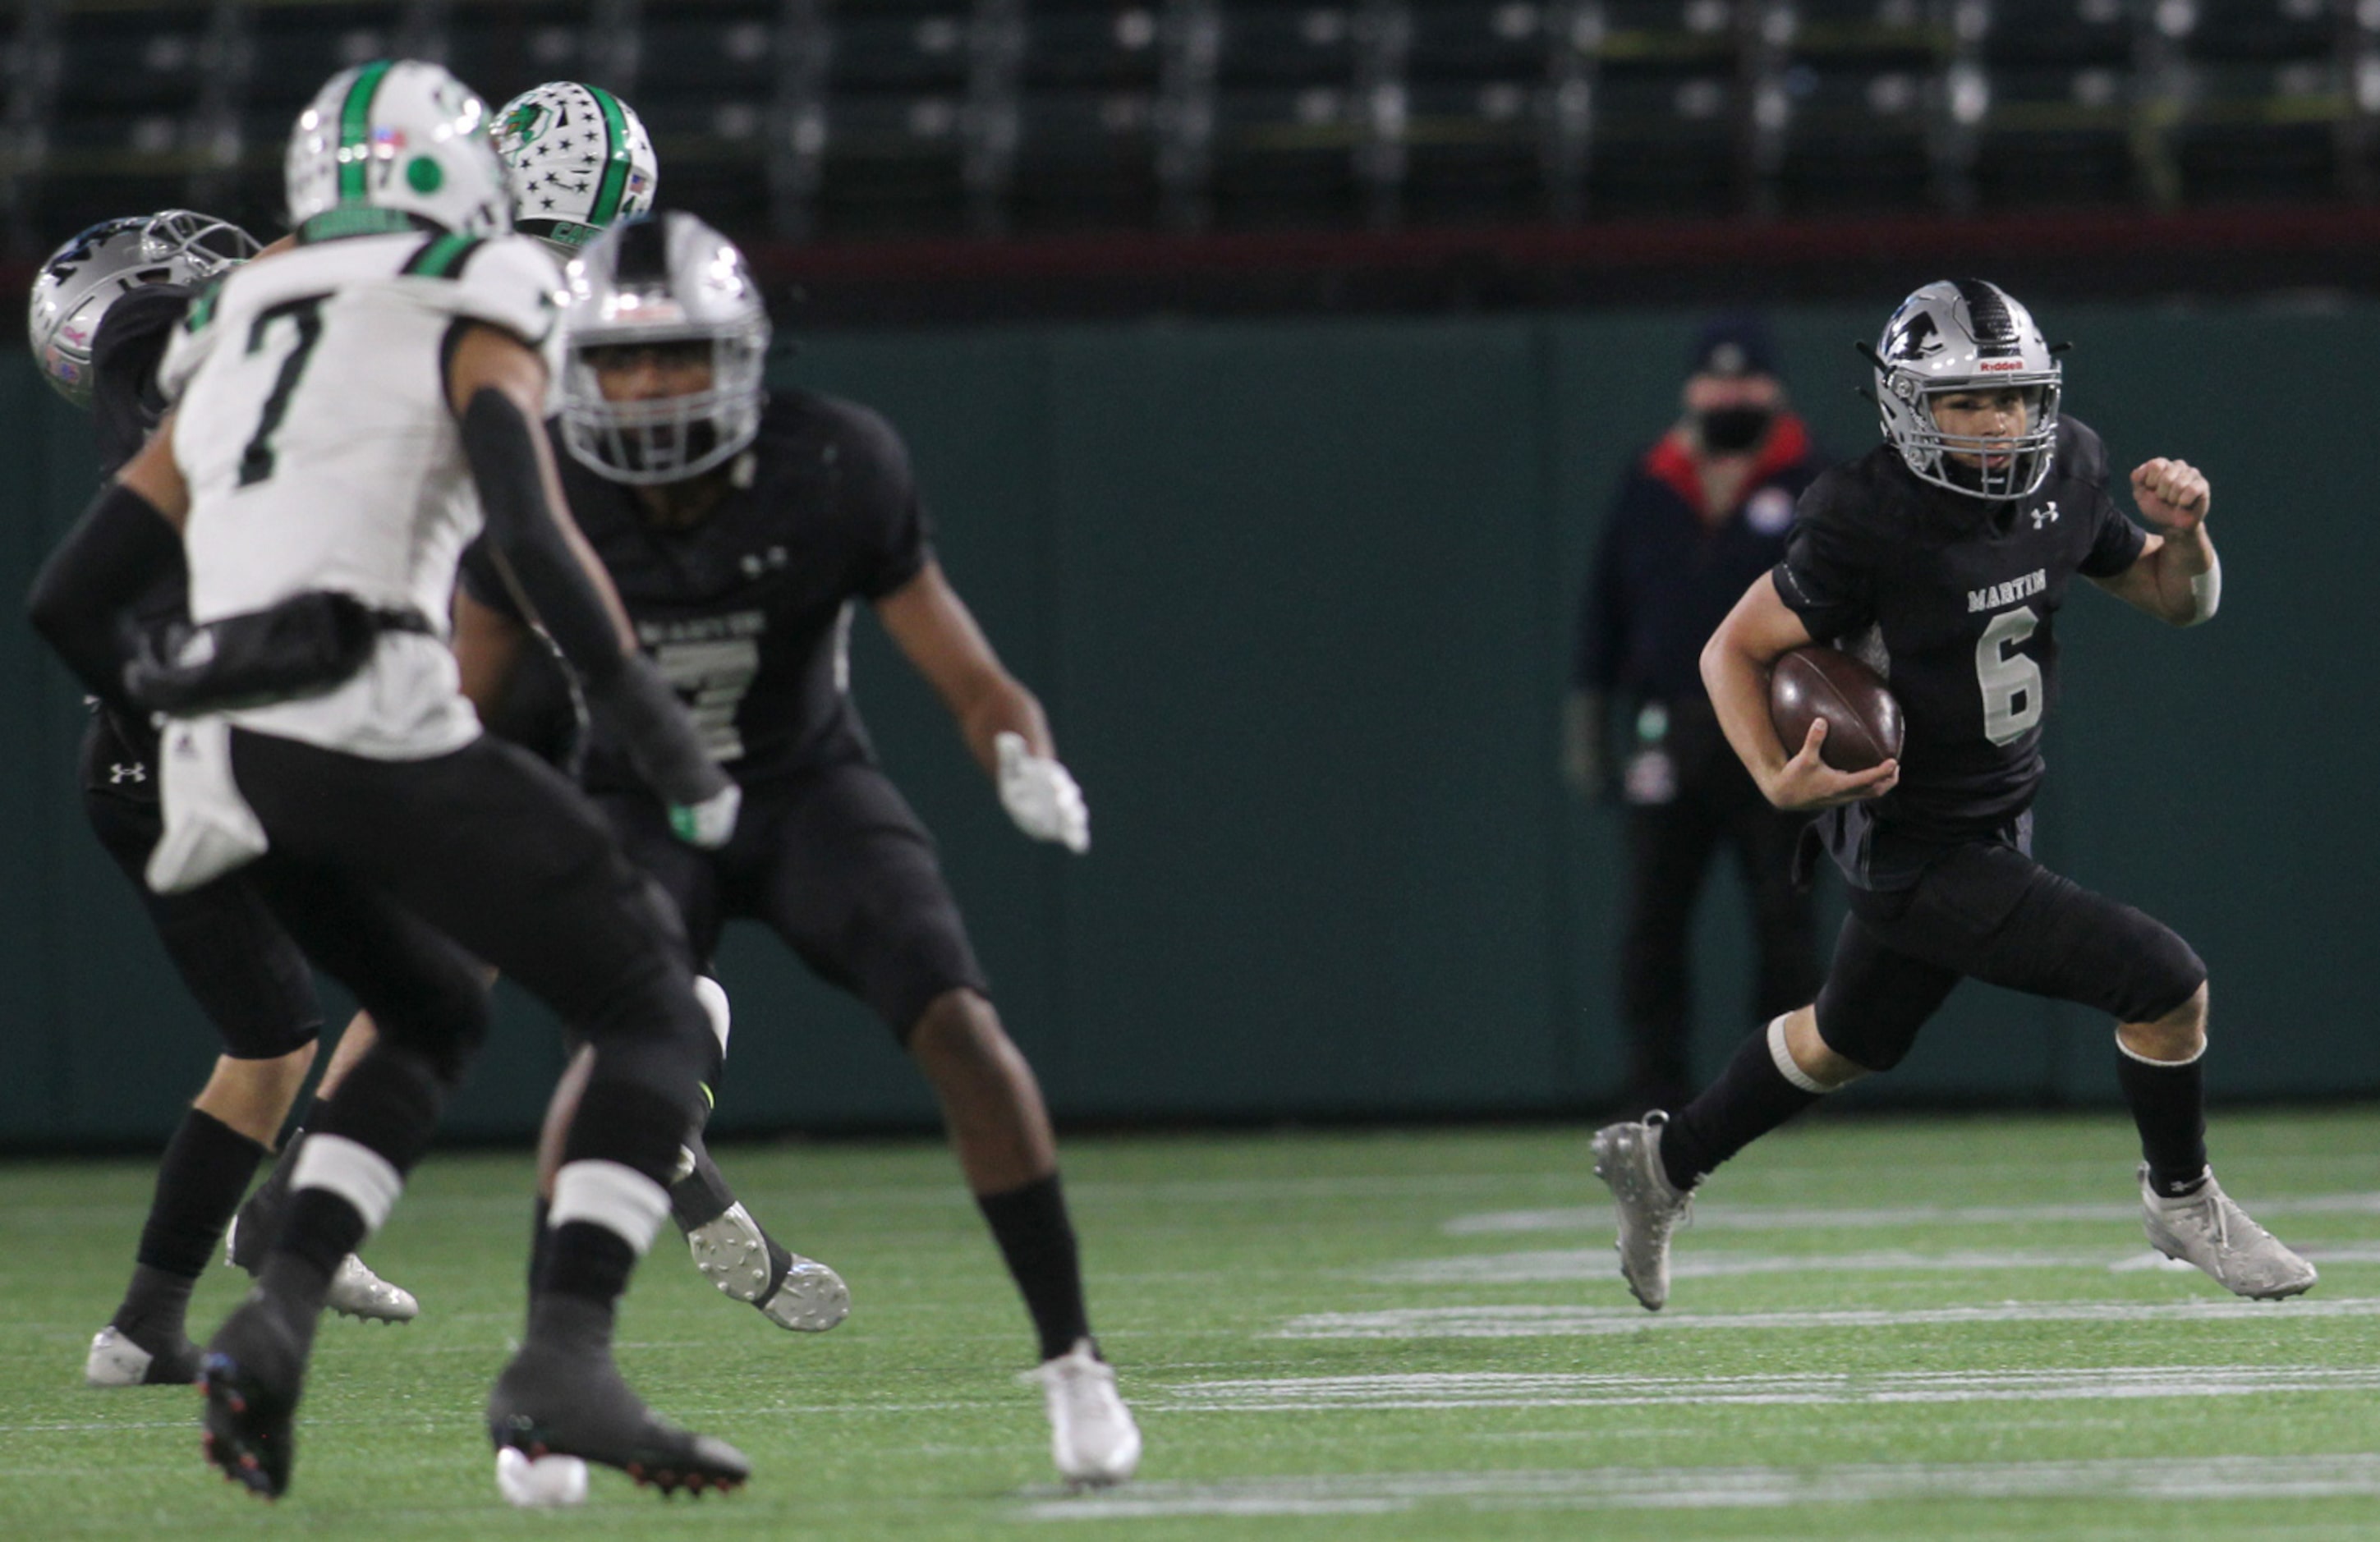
[
  {"x": 577, "y": 162},
  {"x": 1964, "y": 334},
  {"x": 82, "y": 278},
  {"x": 664, "y": 280},
  {"x": 396, "y": 142}
]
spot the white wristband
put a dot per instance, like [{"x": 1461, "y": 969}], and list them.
[{"x": 2206, "y": 592}]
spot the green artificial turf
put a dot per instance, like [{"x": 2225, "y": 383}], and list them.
[{"x": 1393, "y": 1334}]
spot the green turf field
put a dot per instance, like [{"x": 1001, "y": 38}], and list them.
[{"x": 1880, "y": 1329}]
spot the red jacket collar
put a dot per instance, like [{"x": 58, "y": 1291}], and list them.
[{"x": 1672, "y": 463}]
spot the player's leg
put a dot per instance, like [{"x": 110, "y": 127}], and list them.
[
  {"x": 856, "y": 889},
  {"x": 1669, "y": 846},
  {"x": 433, "y": 1009},
  {"x": 251, "y": 985},
  {"x": 1866, "y": 1016},
  {"x": 728, "y": 1244},
  {"x": 244, "y": 1245},
  {"x": 356, "y": 1291},
  {"x": 221, "y": 1139},
  {"x": 494, "y": 849},
  {"x": 2064, "y": 941}
]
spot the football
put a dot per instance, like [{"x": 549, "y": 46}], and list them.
[{"x": 1863, "y": 719}]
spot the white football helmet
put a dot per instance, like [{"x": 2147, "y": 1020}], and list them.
[
  {"x": 654, "y": 282},
  {"x": 577, "y": 162},
  {"x": 395, "y": 142},
  {"x": 83, "y": 277}
]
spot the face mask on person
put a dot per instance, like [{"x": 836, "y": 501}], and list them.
[{"x": 1732, "y": 429}]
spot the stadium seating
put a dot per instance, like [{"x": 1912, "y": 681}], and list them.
[{"x": 826, "y": 118}]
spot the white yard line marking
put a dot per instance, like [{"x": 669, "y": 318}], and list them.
[
  {"x": 1747, "y": 1217},
  {"x": 1426, "y": 1391},
  {"x": 1549, "y": 1266},
  {"x": 2201, "y": 1478},
  {"x": 1537, "y": 1322},
  {"x": 1521, "y": 1269}
]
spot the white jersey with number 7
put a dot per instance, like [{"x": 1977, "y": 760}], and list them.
[{"x": 312, "y": 426}]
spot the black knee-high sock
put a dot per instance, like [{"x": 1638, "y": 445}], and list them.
[
  {"x": 206, "y": 1169},
  {"x": 587, "y": 1263},
  {"x": 261, "y": 1216},
  {"x": 1751, "y": 1097},
  {"x": 702, "y": 1196},
  {"x": 583, "y": 1271},
  {"x": 2169, "y": 1103},
  {"x": 1037, "y": 1241}
]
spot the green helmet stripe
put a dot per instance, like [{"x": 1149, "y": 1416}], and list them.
[
  {"x": 615, "y": 160},
  {"x": 354, "y": 123}
]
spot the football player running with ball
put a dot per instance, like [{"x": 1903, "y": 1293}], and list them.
[
  {"x": 742, "y": 528},
  {"x": 1942, "y": 557},
  {"x": 348, "y": 416}
]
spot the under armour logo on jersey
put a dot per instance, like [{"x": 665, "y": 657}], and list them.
[
  {"x": 2045, "y": 516},
  {"x": 757, "y": 563},
  {"x": 121, "y": 772}
]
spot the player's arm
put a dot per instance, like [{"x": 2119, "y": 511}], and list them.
[
  {"x": 1001, "y": 721},
  {"x": 128, "y": 539},
  {"x": 1735, "y": 665},
  {"x": 496, "y": 387},
  {"x": 2176, "y": 577}
]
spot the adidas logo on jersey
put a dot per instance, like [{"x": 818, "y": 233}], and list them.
[{"x": 2008, "y": 593}]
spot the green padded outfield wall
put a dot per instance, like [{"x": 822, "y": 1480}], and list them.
[{"x": 1298, "y": 597}]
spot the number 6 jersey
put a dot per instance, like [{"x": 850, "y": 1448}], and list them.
[
  {"x": 312, "y": 425},
  {"x": 1954, "y": 599}
]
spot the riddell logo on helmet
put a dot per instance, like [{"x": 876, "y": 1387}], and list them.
[{"x": 1997, "y": 366}]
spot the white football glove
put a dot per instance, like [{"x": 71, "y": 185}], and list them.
[{"x": 1040, "y": 796}]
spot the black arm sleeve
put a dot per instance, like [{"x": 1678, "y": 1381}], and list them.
[
  {"x": 623, "y": 689},
  {"x": 81, "y": 601}
]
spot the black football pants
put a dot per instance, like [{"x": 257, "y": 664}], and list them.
[
  {"x": 1669, "y": 850},
  {"x": 244, "y": 973},
  {"x": 1988, "y": 911},
  {"x": 397, "y": 876},
  {"x": 834, "y": 862}
]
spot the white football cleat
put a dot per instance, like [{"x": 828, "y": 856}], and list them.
[
  {"x": 1092, "y": 1437},
  {"x": 1628, "y": 1158},
  {"x": 358, "y": 1292},
  {"x": 117, "y": 1361},
  {"x": 539, "y": 1482},
  {"x": 745, "y": 1262},
  {"x": 2210, "y": 1231}
]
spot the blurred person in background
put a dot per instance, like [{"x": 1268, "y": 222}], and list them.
[{"x": 1700, "y": 514}]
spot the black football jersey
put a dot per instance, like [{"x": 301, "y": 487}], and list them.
[
  {"x": 1955, "y": 598},
  {"x": 125, "y": 405},
  {"x": 124, "y": 401},
  {"x": 748, "y": 610}
]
